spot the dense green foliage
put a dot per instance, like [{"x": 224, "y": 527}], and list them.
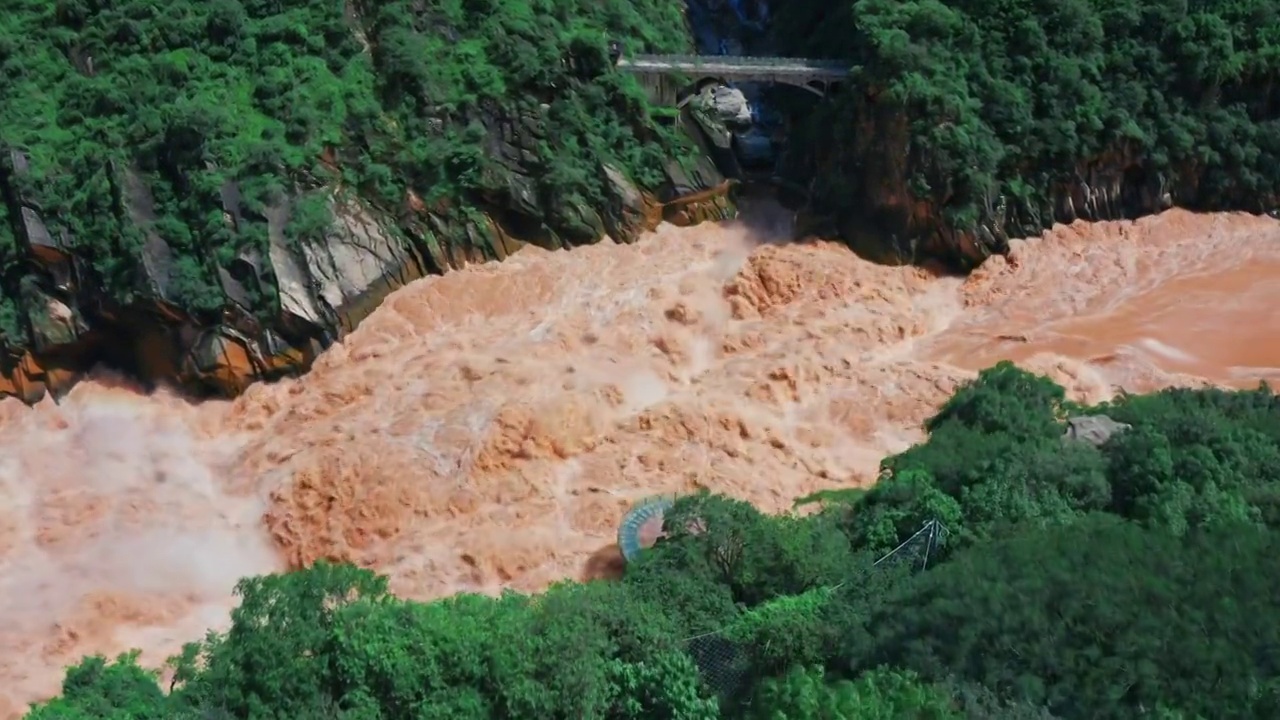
[
  {"x": 182, "y": 98},
  {"x": 1127, "y": 579},
  {"x": 1010, "y": 101},
  {"x": 1098, "y": 617}
]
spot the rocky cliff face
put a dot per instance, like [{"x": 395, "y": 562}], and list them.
[
  {"x": 864, "y": 194},
  {"x": 209, "y": 197},
  {"x": 953, "y": 134},
  {"x": 322, "y": 287}
]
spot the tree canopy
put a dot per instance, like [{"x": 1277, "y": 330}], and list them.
[
  {"x": 134, "y": 117},
  {"x": 1127, "y": 576},
  {"x": 1010, "y": 115}
]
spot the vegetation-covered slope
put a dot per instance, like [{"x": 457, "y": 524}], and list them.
[
  {"x": 154, "y": 154},
  {"x": 213, "y": 190},
  {"x": 969, "y": 122},
  {"x": 1129, "y": 576}
]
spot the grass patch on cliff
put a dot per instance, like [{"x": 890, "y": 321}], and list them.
[
  {"x": 196, "y": 98},
  {"x": 1009, "y": 101}
]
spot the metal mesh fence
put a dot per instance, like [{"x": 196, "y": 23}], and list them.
[
  {"x": 918, "y": 549},
  {"x": 725, "y": 665}
]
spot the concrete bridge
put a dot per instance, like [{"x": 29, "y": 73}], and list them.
[{"x": 816, "y": 76}]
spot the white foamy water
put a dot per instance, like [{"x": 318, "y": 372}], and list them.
[{"x": 487, "y": 429}]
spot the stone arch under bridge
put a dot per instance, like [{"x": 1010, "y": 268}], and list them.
[{"x": 685, "y": 95}]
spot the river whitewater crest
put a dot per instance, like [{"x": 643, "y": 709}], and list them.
[{"x": 487, "y": 429}]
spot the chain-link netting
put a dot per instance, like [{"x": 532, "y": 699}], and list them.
[{"x": 725, "y": 665}]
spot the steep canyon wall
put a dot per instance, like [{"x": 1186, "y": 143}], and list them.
[
  {"x": 963, "y": 126},
  {"x": 212, "y": 201}
]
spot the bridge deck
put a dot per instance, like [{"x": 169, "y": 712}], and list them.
[{"x": 736, "y": 66}]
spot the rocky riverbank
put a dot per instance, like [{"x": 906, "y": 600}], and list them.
[
  {"x": 208, "y": 220},
  {"x": 325, "y": 287}
]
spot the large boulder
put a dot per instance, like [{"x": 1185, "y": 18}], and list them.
[
  {"x": 358, "y": 263},
  {"x": 630, "y": 210},
  {"x": 1093, "y": 429},
  {"x": 728, "y": 104}
]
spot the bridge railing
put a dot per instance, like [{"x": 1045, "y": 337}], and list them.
[{"x": 737, "y": 61}]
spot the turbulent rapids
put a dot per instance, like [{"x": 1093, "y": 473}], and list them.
[{"x": 488, "y": 429}]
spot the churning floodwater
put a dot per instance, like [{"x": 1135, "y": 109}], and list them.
[{"x": 487, "y": 429}]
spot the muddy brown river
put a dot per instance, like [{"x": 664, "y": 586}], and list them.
[{"x": 487, "y": 429}]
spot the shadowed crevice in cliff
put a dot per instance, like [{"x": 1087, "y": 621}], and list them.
[{"x": 774, "y": 216}]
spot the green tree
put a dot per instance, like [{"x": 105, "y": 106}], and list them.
[
  {"x": 278, "y": 659},
  {"x": 881, "y": 694},
  {"x": 754, "y": 556},
  {"x": 995, "y": 460},
  {"x": 1197, "y": 457},
  {"x": 96, "y": 689},
  {"x": 994, "y": 116},
  {"x": 1100, "y": 618}
]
